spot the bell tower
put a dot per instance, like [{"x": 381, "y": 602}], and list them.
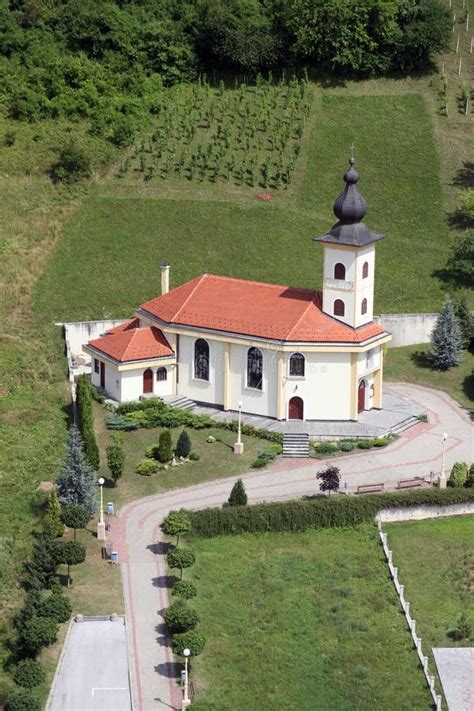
[{"x": 349, "y": 257}]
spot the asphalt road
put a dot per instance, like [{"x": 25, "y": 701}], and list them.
[{"x": 93, "y": 674}]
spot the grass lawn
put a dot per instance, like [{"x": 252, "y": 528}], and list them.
[
  {"x": 302, "y": 621},
  {"x": 119, "y": 237},
  {"x": 217, "y": 460},
  {"x": 409, "y": 364},
  {"x": 435, "y": 562}
]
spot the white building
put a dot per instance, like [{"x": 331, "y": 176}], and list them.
[{"x": 283, "y": 352}]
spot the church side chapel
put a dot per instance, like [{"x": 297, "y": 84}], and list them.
[{"x": 282, "y": 352}]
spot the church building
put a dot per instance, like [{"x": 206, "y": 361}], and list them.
[{"x": 281, "y": 352}]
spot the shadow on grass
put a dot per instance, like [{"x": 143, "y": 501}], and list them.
[
  {"x": 468, "y": 388},
  {"x": 464, "y": 178},
  {"x": 461, "y": 220},
  {"x": 422, "y": 360}
]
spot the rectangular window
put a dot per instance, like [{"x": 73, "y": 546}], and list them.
[{"x": 96, "y": 366}]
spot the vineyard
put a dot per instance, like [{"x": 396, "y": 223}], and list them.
[{"x": 249, "y": 135}]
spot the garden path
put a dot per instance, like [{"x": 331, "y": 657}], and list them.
[{"x": 136, "y": 534}]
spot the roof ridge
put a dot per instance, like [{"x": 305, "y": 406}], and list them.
[
  {"x": 262, "y": 283},
  {"x": 302, "y": 316},
  {"x": 200, "y": 280}
]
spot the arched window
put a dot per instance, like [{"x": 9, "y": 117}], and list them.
[
  {"x": 254, "y": 368},
  {"x": 339, "y": 308},
  {"x": 297, "y": 365},
  {"x": 201, "y": 359},
  {"x": 365, "y": 270},
  {"x": 363, "y": 308},
  {"x": 161, "y": 374},
  {"x": 339, "y": 271}
]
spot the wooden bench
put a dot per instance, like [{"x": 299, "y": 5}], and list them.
[
  {"x": 369, "y": 488},
  {"x": 410, "y": 483}
]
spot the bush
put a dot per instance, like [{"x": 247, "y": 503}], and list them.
[
  {"x": 73, "y": 165},
  {"x": 183, "y": 445},
  {"x": 458, "y": 476},
  {"x": 365, "y": 443},
  {"x": 152, "y": 451},
  {"x": 381, "y": 441},
  {"x": 330, "y": 479},
  {"x": 176, "y": 523},
  {"x": 210, "y": 439},
  {"x": 22, "y": 700},
  {"x": 75, "y": 516},
  {"x": 185, "y": 589},
  {"x": 180, "y": 558},
  {"x": 147, "y": 467},
  {"x": 9, "y": 138},
  {"x": 347, "y": 447},
  {"x": 192, "y": 640},
  {"x": 462, "y": 631},
  {"x": 238, "y": 495},
  {"x": 326, "y": 447},
  {"x": 36, "y": 633},
  {"x": 470, "y": 477},
  {"x": 86, "y": 420},
  {"x": 115, "y": 458},
  {"x": 117, "y": 422},
  {"x": 165, "y": 451},
  {"x": 52, "y": 521},
  {"x": 317, "y": 512},
  {"x": 259, "y": 463},
  {"x": 194, "y": 457},
  {"x": 180, "y": 618},
  {"x": 56, "y": 606},
  {"x": 29, "y": 673}
]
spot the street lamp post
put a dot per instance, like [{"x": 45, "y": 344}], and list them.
[
  {"x": 186, "y": 700},
  {"x": 239, "y": 445},
  {"x": 442, "y": 477},
  {"x": 101, "y": 524}
]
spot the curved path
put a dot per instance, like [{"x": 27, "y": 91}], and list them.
[{"x": 136, "y": 533}]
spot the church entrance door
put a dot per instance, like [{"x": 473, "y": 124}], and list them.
[
  {"x": 361, "y": 396},
  {"x": 147, "y": 381},
  {"x": 295, "y": 409}
]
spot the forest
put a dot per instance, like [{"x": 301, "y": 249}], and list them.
[{"x": 109, "y": 61}]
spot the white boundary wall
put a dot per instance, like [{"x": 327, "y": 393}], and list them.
[
  {"x": 417, "y": 513},
  {"x": 408, "y": 329}
]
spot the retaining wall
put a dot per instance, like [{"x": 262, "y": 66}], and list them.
[{"x": 417, "y": 513}]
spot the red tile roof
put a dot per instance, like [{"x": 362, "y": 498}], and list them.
[
  {"x": 125, "y": 326},
  {"x": 254, "y": 308},
  {"x": 127, "y": 343}
]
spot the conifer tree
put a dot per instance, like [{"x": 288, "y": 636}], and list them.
[
  {"x": 53, "y": 524},
  {"x": 238, "y": 496},
  {"x": 466, "y": 322},
  {"x": 446, "y": 339},
  {"x": 76, "y": 482},
  {"x": 183, "y": 445}
]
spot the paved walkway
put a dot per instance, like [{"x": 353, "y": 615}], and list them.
[
  {"x": 456, "y": 671},
  {"x": 136, "y": 534}
]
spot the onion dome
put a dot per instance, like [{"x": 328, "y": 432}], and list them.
[{"x": 350, "y": 209}]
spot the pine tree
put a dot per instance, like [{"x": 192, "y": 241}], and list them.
[
  {"x": 446, "y": 339},
  {"x": 165, "y": 451},
  {"x": 238, "y": 496},
  {"x": 76, "y": 482},
  {"x": 183, "y": 445},
  {"x": 53, "y": 523},
  {"x": 466, "y": 322}
]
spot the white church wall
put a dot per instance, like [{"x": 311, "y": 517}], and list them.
[
  {"x": 368, "y": 361},
  {"x": 209, "y": 391},
  {"x": 258, "y": 402},
  {"x": 325, "y": 388},
  {"x": 112, "y": 382}
]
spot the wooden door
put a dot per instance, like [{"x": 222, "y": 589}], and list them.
[
  {"x": 147, "y": 381},
  {"x": 295, "y": 409},
  {"x": 361, "y": 398},
  {"x": 102, "y": 374}
]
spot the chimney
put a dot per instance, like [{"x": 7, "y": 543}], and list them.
[{"x": 165, "y": 277}]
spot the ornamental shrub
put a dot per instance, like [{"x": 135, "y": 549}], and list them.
[
  {"x": 52, "y": 521},
  {"x": 29, "y": 673},
  {"x": 183, "y": 445},
  {"x": 22, "y": 700},
  {"x": 238, "y": 495},
  {"x": 192, "y": 640},
  {"x": 72, "y": 553},
  {"x": 179, "y": 617},
  {"x": 165, "y": 451},
  {"x": 36, "y": 633},
  {"x": 470, "y": 477},
  {"x": 176, "y": 523},
  {"x": 181, "y": 558},
  {"x": 365, "y": 443},
  {"x": 75, "y": 516},
  {"x": 147, "y": 467},
  {"x": 259, "y": 463},
  {"x": 347, "y": 447},
  {"x": 458, "y": 476},
  {"x": 326, "y": 447},
  {"x": 115, "y": 458},
  {"x": 194, "y": 457},
  {"x": 184, "y": 589},
  {"x": 317, "y": 512},
  {"x": 330, "y": 479},
  {"x": 56, "y": 606}
]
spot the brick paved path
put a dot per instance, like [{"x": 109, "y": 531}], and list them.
[{"x": 136, "y": 532}]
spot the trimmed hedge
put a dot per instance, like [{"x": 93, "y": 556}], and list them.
[
  {"x": 152, "y": 412},
  {"x": 317, "y": 512},
  {"x": 86, "y": 420}
]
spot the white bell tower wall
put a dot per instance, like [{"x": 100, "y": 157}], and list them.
[{"x": 349, "y": 278}]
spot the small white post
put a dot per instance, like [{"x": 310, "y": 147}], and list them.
[
  {"x": 438, "y": 703},
  {"x": 425, "y": 664},
  {"x": 457, "y": 45},
  {"x": 431, "y": 680},
  {"x": 384, "y": 539},
  {"x": 379, "y": 525},
  {"x": 460, "y": 66},
  {"x": 471, "y": 45},
  {"x": 413, "y": 626},
  {"x": 395, "y": 574},
  {"x": 400, "y": 592},
  {"x": 389, "y": 557},
  {"x": 418, "y": 643},
  {"x": 467, "y": 22},
  {"x": 407, "y": 610}
]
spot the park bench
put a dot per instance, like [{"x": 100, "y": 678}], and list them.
[
  {"x": 369, "y": 488},
  {"x": 410, "y": 483}
]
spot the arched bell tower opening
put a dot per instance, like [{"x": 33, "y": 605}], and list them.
[{"x": 349, "y": 257}]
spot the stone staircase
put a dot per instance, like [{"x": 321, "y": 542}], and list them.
[
  {"x": 295, "y": 445},
  {"x": 180, "y": 401},
  {"x": 404, "y": 425}
]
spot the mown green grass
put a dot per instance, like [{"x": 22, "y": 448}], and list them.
[
  {"x": 410, "y": 365},
  {"x": 108, "y": 260},
  {"x": 217, "y": 460},
  {"x": 302, "y": 621}
]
